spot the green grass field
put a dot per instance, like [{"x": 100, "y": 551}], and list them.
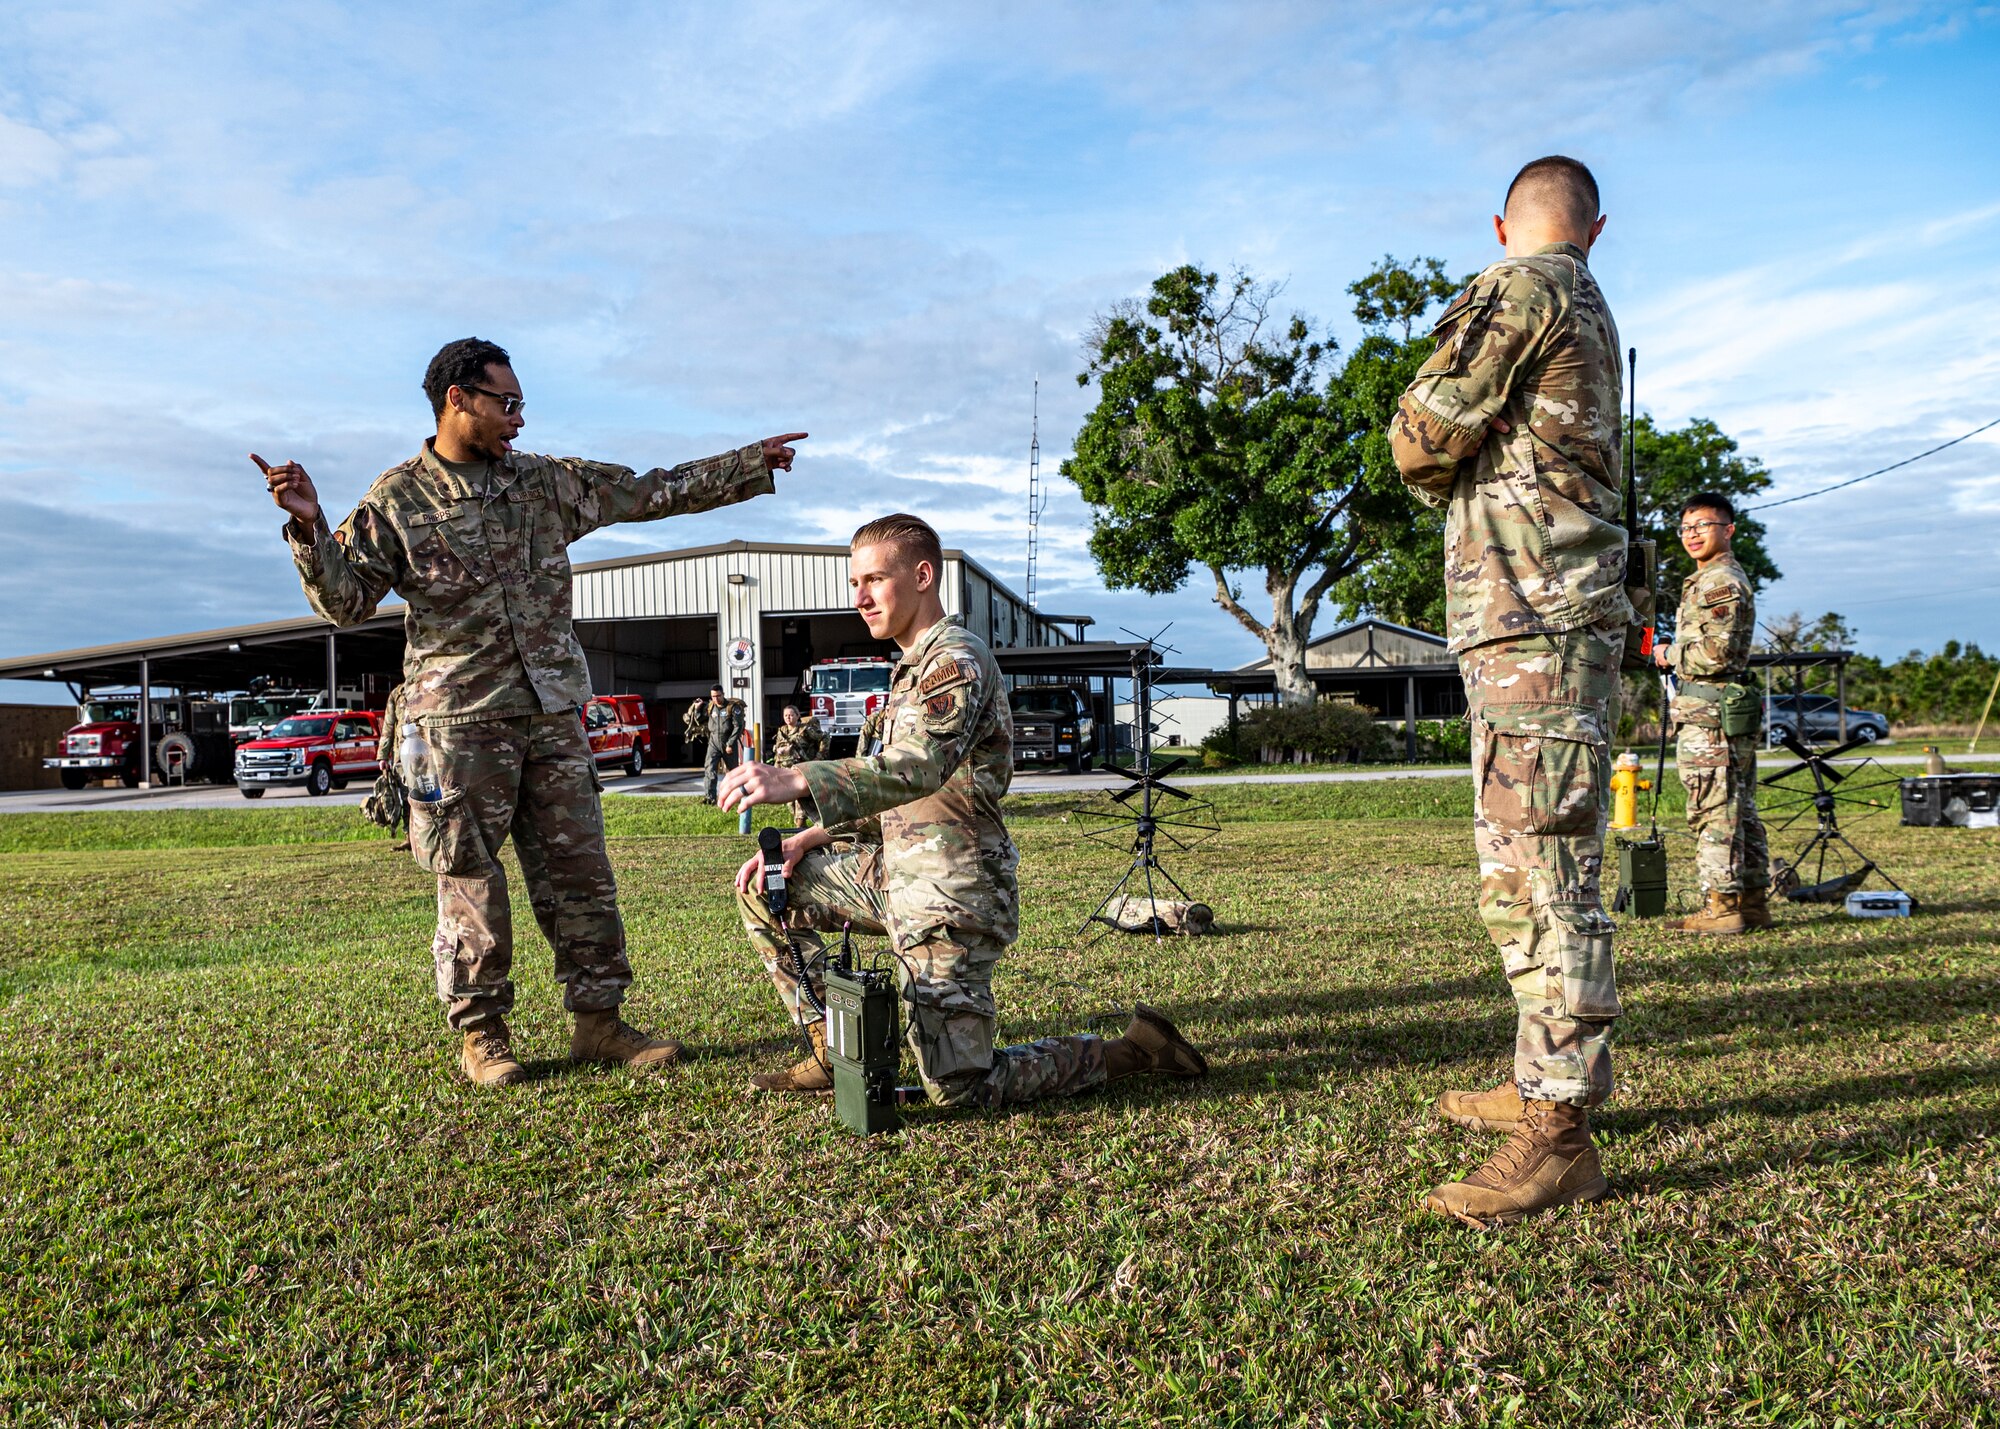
[{"x": 242, "y": 1184}]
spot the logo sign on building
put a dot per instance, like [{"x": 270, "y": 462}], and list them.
[{"x": 742, "y": 654}]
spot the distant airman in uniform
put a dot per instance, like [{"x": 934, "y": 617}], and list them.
[
  {"x": 475, "y": 537},
  {"x": 940, "y": 883},
  {"x": 1718, "y": 715},
  {"x": 722, "y": 729},
  {"x": 1512, "y": 424},
  {"x": 795, "y": 742},
  {"x": 871, "y": 729}
]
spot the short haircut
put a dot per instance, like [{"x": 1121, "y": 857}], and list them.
[
  {"x": 715, "y": 689},
  {"x": 461, "y": 364},
  {"x": 912, "y": 537},
  {"x": 1555, "y": 185},
  {"x": 1709, "y": 501},
  {"x": 791, "y": 709}
]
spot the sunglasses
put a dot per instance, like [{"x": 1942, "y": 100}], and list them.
[{"x": 509, "y": 404}]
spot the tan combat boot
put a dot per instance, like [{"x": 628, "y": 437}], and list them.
[
  {"x": 811, "y": 1075},
  {"x": 1546, "y": 1161},
  {"x": 1495, "y": 1109},
  {"x": 1721, "y": 915},
  {"x": 607, "y": 1037},
  {"x": 1756, "y": 906},
  {"x": 487, "y": 1058},
  {"x": 1151, "y": 1043}
]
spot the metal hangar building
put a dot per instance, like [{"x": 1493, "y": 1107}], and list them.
[{"x": 751, "y": 616}]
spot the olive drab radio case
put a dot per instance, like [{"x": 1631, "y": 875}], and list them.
[{"x": 864, "y": 1045}]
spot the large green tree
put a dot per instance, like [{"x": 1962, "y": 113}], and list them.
[{"x": 1226, "y": 438}]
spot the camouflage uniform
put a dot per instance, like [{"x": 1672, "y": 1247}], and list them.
[
  {"x": 1717, "y": 618},
  {"x": 794, "y": 745},
  {"x": 495, "y": 676},
  {"x": 725, "y": 732},
  {"x": 1536, "y": 610},
  {"x": 940, "y": 884}
]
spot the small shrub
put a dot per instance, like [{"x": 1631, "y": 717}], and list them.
[
  {"x": 1324, "y": 732},
  {"x": 1447, "y": 741}
]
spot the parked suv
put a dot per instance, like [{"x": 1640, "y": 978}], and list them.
[
  {"x": 1816, "y": 720},
  {"x": 1052, "y": 725},
  {"x": 320, "y": 749}
]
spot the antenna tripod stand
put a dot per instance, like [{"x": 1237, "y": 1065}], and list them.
[
  {"x": 1184, "y": 824},
  {"x": 1829, "y": 789}
]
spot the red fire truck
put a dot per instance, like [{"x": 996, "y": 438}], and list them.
[
  {"x": 846, "y": 691},
  {"x": 190, "y": 739},
  {"x": 618, "y": 732}
]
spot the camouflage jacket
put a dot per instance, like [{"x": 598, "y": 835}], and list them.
[
  {"x": 1533, "y": 542},
  {"x": 389, "y": 744},
  {"x": 937, "y": 785},
  {"x": 795, "y": 744},
  {"x": 1714, "y": 625},
  {"x": 485, "y": 568},
  {"x": 725, "y": 724},
  {"x": 694, "y": 723}
]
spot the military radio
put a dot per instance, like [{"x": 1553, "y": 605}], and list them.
[
  {"x": 863, "y": 1021},
  {"x": 864, "y": 1044}
]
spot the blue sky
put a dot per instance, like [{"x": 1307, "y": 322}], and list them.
[{"x": 231, "y": 229}]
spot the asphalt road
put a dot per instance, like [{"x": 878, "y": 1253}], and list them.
[{"x": 673, "y": 782}]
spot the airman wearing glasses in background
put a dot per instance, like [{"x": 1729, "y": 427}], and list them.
[
  {"x": 1718, "y": 713},
  {"x": 475, "y": 537}
]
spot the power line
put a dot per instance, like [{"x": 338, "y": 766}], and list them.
[{"x": 1767, "y": 505}]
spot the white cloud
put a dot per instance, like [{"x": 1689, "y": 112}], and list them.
[{"x": 28, "y": 156}]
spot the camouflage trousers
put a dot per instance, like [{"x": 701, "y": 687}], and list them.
[
  {"x": 1541, "y": 713},
  {"x": 532, "y": 778},
  {"x": 1719, "y": 772},
  {"x": 947, "y": 982},
  {"x": 720, "y": 759}
]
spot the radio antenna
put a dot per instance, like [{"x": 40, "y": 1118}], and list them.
[{"x": 1038, "y": 496}]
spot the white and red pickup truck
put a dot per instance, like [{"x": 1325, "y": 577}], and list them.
[{"x": 320, "y": 749}]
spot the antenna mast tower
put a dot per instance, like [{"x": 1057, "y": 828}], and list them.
[{"x": 1038, "y": 496}]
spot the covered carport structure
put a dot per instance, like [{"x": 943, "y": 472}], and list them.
[
  {"x": 304, "y": 652},
  {"x": 1104, "y": 662}
]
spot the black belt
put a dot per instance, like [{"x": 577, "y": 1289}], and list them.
[{"x": 1704, "y": 690}]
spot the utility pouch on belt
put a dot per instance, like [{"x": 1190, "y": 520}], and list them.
[
  {"x": 1739, "y": 708},
  {"x": 1742, "y": 709},
  {"x": 1642, "y": 564}
]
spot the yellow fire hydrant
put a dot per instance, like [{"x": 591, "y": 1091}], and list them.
[{"x": 1625, "y": 787}]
